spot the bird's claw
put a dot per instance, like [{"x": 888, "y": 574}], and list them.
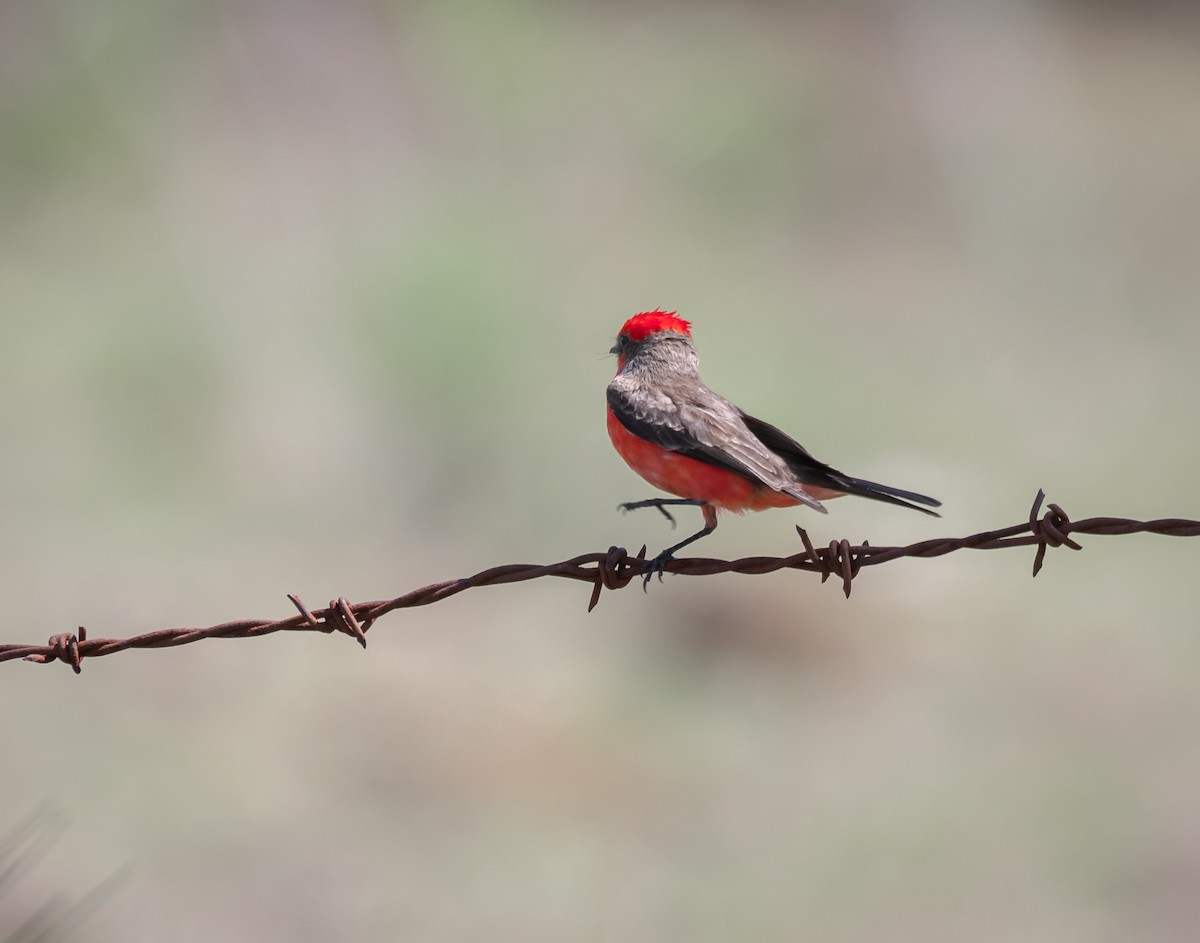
[
  {"x": 628, "y": 506},
  {"x": 656, "y": 566}
]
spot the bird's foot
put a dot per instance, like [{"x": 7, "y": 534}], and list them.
[
  {"x": 635, "y": 505},
  {"x": 660, "y": 505},
  {"x": 656, "y": 566}
]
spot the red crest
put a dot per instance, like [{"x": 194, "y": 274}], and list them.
[{"x": 641, "y": 326}]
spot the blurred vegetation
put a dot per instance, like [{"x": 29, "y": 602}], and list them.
[{"x": 315, "y": 298}]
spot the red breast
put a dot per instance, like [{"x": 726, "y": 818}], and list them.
[{"x": 689, "y": 478}]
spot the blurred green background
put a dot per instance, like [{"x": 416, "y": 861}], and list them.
[{"x": 315, "y": 298}]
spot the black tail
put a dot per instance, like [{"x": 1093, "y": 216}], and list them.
[
  {"x": 810, "y": 471},
  {"x": 905, "y": 499}
]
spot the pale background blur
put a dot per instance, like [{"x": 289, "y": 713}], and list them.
[{"x": 315, "y": 298}]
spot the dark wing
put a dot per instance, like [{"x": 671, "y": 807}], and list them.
[
  {"x": 705, "y": 427},
  {"x": 809, "y": 471}
]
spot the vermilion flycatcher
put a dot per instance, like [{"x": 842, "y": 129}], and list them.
[{"x": 683, "y": 438}]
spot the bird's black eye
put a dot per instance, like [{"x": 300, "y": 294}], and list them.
[{"x": 622, "y": 340}]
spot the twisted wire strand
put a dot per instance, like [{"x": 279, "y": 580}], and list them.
[{"x": 614, "y": 569}]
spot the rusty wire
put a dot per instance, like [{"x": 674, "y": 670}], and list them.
[{"x": 614, "y": 569}]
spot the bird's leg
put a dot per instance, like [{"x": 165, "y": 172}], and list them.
[
  {"x": 659, "y": 503},
  {"x": 659, "y": 563}
]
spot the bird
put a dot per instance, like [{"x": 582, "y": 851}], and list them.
[{"x": 686, "y": 440}]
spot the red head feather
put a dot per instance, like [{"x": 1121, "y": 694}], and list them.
[{"x": 641, "y": 326}]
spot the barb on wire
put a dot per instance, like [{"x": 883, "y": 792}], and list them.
[{"x": 614, "y": 569}]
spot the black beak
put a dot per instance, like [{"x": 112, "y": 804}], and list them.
[{"x": 615, "y": 349}]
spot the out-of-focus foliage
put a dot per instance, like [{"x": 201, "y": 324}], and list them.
[{"x": 298, "y": 298}]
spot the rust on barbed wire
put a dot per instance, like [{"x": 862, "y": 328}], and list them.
[{"x": 614, "y": 569}]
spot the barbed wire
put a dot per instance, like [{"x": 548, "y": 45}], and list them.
[{"x": 613, "y": 570}]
